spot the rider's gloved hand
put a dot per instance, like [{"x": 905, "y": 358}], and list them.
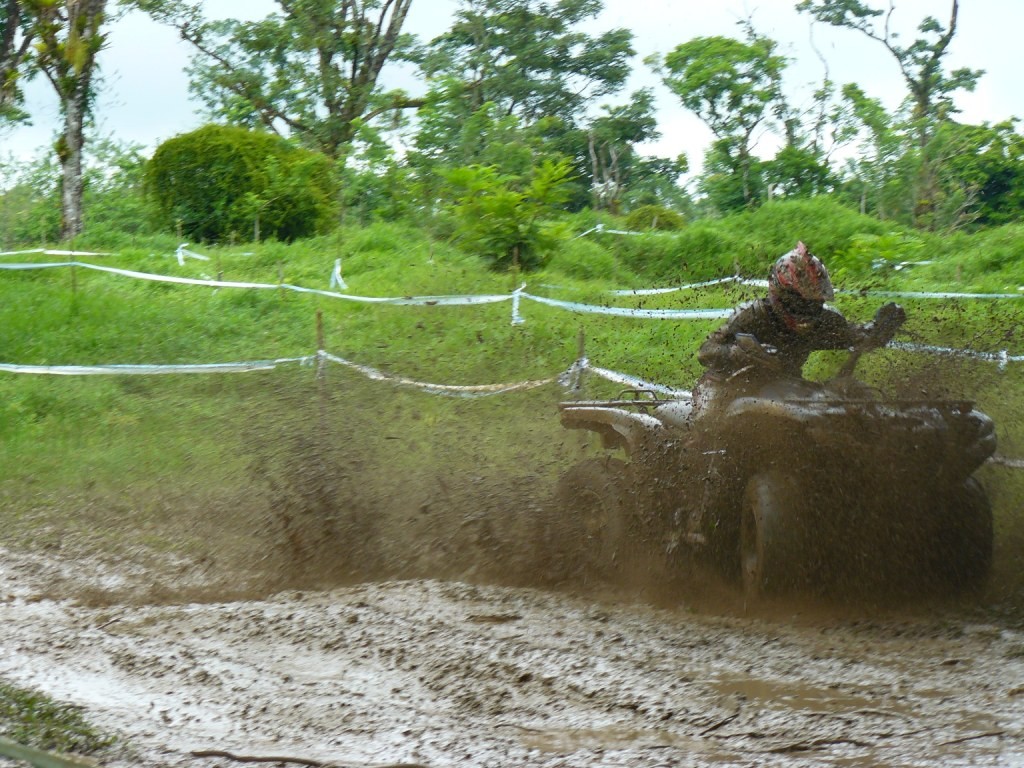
[
  {"x": 888, "y": 320},
  {"x": 749, "y": 351}
]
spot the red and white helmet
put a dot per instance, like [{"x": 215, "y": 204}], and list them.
[{"x": 798, "y": 286}]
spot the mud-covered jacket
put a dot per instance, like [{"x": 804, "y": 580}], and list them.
[{"x": 830, "y": 330}]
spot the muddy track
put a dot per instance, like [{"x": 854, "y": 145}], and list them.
[{"x": 449, "y": 674}]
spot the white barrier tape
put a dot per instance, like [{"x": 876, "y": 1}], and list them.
[
  {"x": 690, "y": 286},
  {"x": 634, "y": 382},
  {"x": 50, "y": 252},
  {"x": 569, "y": 378},
  {"x": 405, "y": 300},
  {"x": 661, "y": 314},
  {"x": 515, "y": 297},
  {"x": 136, "y": 370},
  {"x": 668, "y": 314},
  {"x": 337, "y": 281},
  {"x": 900, "y": 265},
  {"x": 1002, "y": 357},
  {"x": 1004, "y": 461},
  {"x": 182, "y": 252},
  {"x": 454, "y": 390},
  {"x": 600, "y": 228},
  {"x": 933, "y": 295}
]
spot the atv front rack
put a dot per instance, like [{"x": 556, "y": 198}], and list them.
[{"x": 641, "y": 399}]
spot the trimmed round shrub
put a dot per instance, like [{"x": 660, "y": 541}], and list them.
[
  {"x": 585, "y": 260},
  {"x": 219, "y": 181},
  {"x": 654, "y": 217}
]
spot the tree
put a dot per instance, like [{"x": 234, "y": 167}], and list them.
[
  {"x": 610, "y": 145},
  {"x": 68, "y": 37},
  {"x": 982, "y": 173},
  {"x": 798, "y": 171},
  {"x": 16, "y": 38},
  {"x": 731, "y": 86},
  {"x": 502, "y": 216},
  {"x": 882, "y": 147},
  {"x": 920, "y": 63},
  {"x": 309, "y": 71},
  {"x": 527, "y": 58},
  {"x": 220, "y": 180}
]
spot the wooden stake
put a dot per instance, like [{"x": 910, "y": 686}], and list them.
[
  {"x": 320, "y": 343},
  {"x": 581, "y": 352}
]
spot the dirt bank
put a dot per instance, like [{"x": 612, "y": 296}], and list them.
[{"x": 449, "y": 674}]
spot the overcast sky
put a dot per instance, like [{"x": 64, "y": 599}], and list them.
[{"x": 145, "y": 98}]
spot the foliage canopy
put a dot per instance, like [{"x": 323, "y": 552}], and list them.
[{"x": 218, "y": 182}]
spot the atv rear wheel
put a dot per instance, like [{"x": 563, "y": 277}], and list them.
[
  {"x": 774, "y": 556},
  {"x": 595, "y": 495},
  {"x": 965, "y": 542}
]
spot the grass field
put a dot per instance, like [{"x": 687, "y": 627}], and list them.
[
  {"x": 224, "y": 471},
  {"x": 185, "y": 463}
]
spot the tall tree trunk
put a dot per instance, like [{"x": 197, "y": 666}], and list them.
[
  {"x": 70, "y": 37},
  {"x": 70, "y": 154}
]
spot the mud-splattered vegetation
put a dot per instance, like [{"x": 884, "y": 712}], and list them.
[{"x": 34, "y": 719}]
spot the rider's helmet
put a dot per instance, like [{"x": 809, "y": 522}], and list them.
[{"x": 798, "y": 287}]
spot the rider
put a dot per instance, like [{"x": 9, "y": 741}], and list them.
[{"x": 772, "y": 337}]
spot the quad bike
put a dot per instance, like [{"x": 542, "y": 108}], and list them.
[{"x": 798, "y": 487}]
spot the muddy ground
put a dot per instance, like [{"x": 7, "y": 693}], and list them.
[
  {"x": 318, "y": 606},
  {"x": 446, "y": 673}
]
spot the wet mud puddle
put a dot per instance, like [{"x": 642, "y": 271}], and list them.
[{"x": 448, "y": 674}]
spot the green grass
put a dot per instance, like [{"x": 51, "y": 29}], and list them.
[
  {"x": 196, "y": 465},
  {"x": 135, "y": 448},
  {"x": 35, "y": 720}
]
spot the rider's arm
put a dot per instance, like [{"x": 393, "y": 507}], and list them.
[
  {"x": 716, "y": 351},
  {"x": 836, "y": 332},
  {"x": 721, "y": 352}
]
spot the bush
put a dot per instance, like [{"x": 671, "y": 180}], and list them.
[
  {"x": 218, "y": 182},
  {"x": 702, "y": 250},
  {"x": 656, "y": 217},
  {"x": 504, "y": 218},
  {"x": 586, "y": 260},
  {"x": 826, "y": 226}
]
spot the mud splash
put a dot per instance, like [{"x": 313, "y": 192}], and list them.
[{"x": 375, "y": 586}]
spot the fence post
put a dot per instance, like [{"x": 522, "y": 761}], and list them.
[
  {"x": 320, "y": 344},
  {"x": 581, "y": 352}
]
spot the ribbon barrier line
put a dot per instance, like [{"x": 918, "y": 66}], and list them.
[
  {"x": 452, "y": 300},
  {"x": 50, "y": 252},
  {"x": 182, "y": 253},
  {"x": 408, "y": 300},
  {"x": 661, "y": 314},
  {"x": 147, "y": 370},
  {"x": 601, "y": 228},
  {"x": 690, "y": 286},
  {"x": 933, "y": 295},
  {"x": 457, "y": 390},
  {"x": 570, "y": 379},
  {"x": 1004, "y": 461},
  {"x": 667, "y": 314},
  {"x": 1001, "y": 357}
]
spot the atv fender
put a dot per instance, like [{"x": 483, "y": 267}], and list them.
[{"x": 617, "y": 427}]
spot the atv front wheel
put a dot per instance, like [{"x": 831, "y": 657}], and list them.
[
  {"x": 774, "y": 542},
  {"x": 965, "y": 542},
  {"x": 596, "y": 497}
]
